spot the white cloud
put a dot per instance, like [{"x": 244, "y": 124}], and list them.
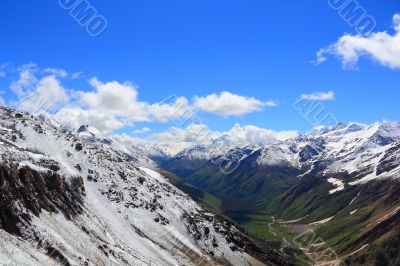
[
  {"x": 48, "y": 95},
  {"x": 256, "y": 135},
  {"x": 28, "y": 78},
  {"x": 26, "y": 82},
  {"x": 59, "y": 72},
  {"x": 121, "y": 100},
  {"x": 3, "y": 69},
  {"x": 75, "y": 116},
  {"x": 229, "y": 104},
  {"x": 52, "y": 90},
  {"x": 179, "y": 138},
  {"x": 319, "y": 96},
  {"x": 113, "y": 105},
  {"x": 141, "y": 131},
  {"x": 38, "y": 90},
  {"x": 76, "y": 75},
  {"x": 129, "y": 140},
  {"x": 112, "y": 97},
  {"x": 109, "y": 106},
  {"x": 193, "y": 134},
  {"x": 382, "y": 47}
]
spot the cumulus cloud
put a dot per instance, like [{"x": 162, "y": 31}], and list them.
[
  {"x": 108, "y": 106},
  {"x": 256, "y": 135},
  {"x": 319, "y": 96},
  {"x": 229, "y": 104},
  {"x": 3, "y": 68},
  {"x": 49, "y": 94},
  {"x": 121, "y": 100},
  {"x": 38, "y": 95},
  {"x": 141, "y": 131},
  {"x": 52, "y": 90},
  {"x": 76, "y": 75},
  {"x": 176, "y": 139},
  {"x": 56, "y": 72},
  {"x": 112, "y": 105},
  {"x": 382, "y": 47},
  {"x": 180, "y": 138},
  {"x": 112, "y": 97},
  {"x": 194, "y": 134},
  {"x": 75, "y": 116},
  {"x": 26, "y": 82}
]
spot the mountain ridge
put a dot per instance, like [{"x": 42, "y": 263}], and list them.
[{"x": 76, "y": 199}]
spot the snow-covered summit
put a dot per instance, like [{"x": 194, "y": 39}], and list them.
[
  {"x": 88, "y": 130},
  {"x": 355, "y": 148}
]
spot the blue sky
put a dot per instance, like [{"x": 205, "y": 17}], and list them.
[{"x": 260, "y": 49}]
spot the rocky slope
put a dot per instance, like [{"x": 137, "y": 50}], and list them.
[{"x": 76, "y": 198}]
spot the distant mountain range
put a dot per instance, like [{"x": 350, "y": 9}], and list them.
[{"x": 347, "y": 176}]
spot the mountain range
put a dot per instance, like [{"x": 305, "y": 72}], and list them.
[
  {"x": 342, "y": 182},
  {"x": 77, "y": 197}
]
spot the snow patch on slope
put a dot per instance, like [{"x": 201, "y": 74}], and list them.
[{"x": 337, "y": 183}]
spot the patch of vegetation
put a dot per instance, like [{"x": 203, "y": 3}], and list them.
[
  {"x": 261, "y": 226},
  {"x": 199, "y": 196},
  {"x": 211, "y": 201},
  {"x": 243, "y": 210}
]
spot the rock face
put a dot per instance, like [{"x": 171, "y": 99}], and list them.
[
  {"x": 25, "y": 192},
  {"x": 74, "y": 198}
]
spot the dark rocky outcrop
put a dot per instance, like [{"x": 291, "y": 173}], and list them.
[{"x": 24, "y": 191}]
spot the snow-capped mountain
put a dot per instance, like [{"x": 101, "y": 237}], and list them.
[
  {"x": 77, "y": 198},
  {"x": 342, "y": 181},
  {"x": 81, "y": 198},
  {"x": 347, "y": 147}
]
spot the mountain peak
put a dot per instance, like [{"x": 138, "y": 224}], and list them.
[{"x": 88, "y": 130}]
